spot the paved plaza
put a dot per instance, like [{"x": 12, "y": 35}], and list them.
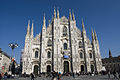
[{"x": 82, "y": 77}]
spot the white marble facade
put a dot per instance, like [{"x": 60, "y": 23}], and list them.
[{"x": 61, "y": 47}]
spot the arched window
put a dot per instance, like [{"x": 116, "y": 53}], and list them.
[
  {"x": 92, "y": 68},
  {"x": 80, "y": 44},
  {"x": 36, "y": 69},
  {"x": 65, "y": 31},
  {"x": 49, "y": 43},
  {"x": 48, "y": 68},
  {"x": 49, "y": 54},
  {"x": 65, "y": 46},
  {"x": 81, "y": 55},
  {"x": 36, "y": 54},
  {"x": 82, "y": 68},
  {"x": 90, "y": 54}
]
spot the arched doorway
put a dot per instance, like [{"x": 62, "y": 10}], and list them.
[
  {"x": 92, "y": 68},
  {"x": 66, "y": 66},
  {"x": 36, "y": 70},
  {"x": 82, "y": 68},
  {"x": 48, "y": 68}
]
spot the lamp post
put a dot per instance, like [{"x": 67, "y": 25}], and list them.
[{"x": 12, "y": 46}]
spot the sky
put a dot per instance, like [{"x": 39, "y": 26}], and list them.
[{"x": 101, "y": 15}]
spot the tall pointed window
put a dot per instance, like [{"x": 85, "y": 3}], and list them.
[
  {"x": 65, "y": 46},
  {"x": 36, "y": 54},
  {"x": 64, "y": 31},
  {"x": 49, "y": 43},
  {"x": 81, "y": 55},
  {"x": 48, "y": 54},
  {"x": 80, "y": 44},
  {"x": 90, "y": 54}
]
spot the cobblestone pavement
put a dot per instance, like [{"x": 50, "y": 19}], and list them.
[{"x": 82, "y": 77}]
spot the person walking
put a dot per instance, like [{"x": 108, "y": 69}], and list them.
[
  {"x": 114, "y": 74},
  {"x": 59, "y": 76},
  {"x": 0, "y": 76},
  {"x": 53, "y": 75},
  {"x": 109, "y": 74},
  {"x": 32, "y": 76}
]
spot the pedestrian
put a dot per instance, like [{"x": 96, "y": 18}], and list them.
[
  {"x": 73, "y": 75},
  {"x": 32, "y": 76},
  {"x": 5, "y": 76},
  {"x": 0, "y": 76},
  {"x": 119, "y": 74},
  {"x": 114, "y": 74},
  {"x": 53, "y": 75},
  {"x": 59, "y": 76},
  {"x": 109, "y": 74}
]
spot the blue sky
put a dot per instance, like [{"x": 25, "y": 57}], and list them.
[{"x": 102, "y": 15}]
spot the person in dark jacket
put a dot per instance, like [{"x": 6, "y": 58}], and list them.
[
  {"x": 32, "y": 76},
  {"x": 54, "y": 75},
  {"x": 114, "y": 74}
]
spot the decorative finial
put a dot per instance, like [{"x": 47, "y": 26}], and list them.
[
  {"x": 95, "y": 35},
  {"x": 44, "y": 20},
  {"x": 32, "y": 29},
  {"x": 28, "y": 28},
  {"x": 54, "y": 13},
  {"x": 82, "y": 24}
]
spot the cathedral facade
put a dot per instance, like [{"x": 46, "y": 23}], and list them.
[{"x": 61, "y": 47}]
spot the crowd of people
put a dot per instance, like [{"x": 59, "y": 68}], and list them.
[
  {"x": 4, "y": 76},
  {"x": 58, "y": 75},
  {"x": 115, "y": 73}
]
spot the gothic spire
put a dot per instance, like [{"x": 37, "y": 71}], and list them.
[
  {"x": 83, "y": 27},
  {"x": 70, "y": 18},
  {"x": 57, "y": 13},
  {"x": 73, "y": 16},
  {"x": 110, "y": 54},
  {"x": 54, "y": 13},
  {"x": 95, "y": 35},
  {"x": 44, "y": 24},
  {"x": 32, "y": 30},
  {"x": 28, "y": 28}
]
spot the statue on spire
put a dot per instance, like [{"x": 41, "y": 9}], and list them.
[
  {"x": 28, "y": 28},
  {"x": 32, "y": 29},
  {"x": 73, "y": 16},
  {"x": 54, "y": 13},
  {"x": 44, "y": 25},
  {"x": 92, "y": 34},
  {"x": 57, "y": 13}
]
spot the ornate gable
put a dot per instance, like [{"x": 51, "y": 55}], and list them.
[
  {"x": 63, "y": 19},
  {"x": 36, "y": 40}
]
